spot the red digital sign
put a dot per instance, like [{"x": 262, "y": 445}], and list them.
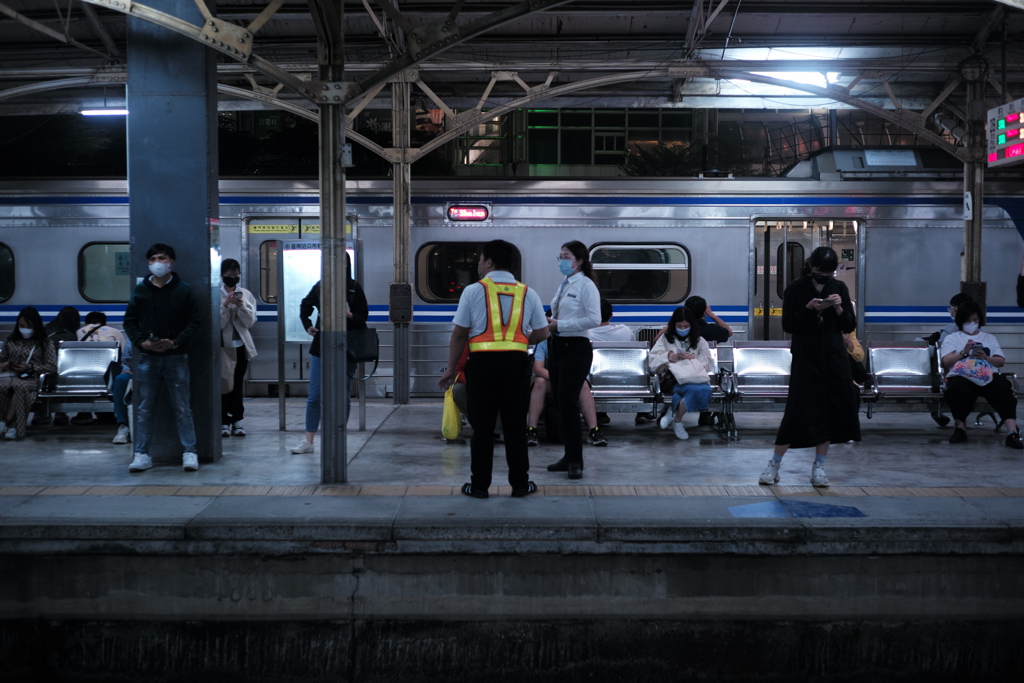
[{"x": 473, "y": 212}]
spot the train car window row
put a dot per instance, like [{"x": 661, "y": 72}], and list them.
[
  {"x": 6, "y": 272},
  {"x": 642, "y": 273},
  {"x": 104, "y": 272},
  {"x": 444, "y": 269}
]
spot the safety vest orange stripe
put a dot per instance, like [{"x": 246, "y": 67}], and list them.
[{"x": 497, "y": 336}]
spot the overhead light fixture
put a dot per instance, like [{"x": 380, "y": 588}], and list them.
[{"x": 104, "y": 112}]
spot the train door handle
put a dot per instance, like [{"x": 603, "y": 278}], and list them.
[
  {"x": 294, "y": 365},
  {"x": 307, "y": 365}
]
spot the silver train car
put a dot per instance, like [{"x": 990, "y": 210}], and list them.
[{"x": 736, "y": 242}]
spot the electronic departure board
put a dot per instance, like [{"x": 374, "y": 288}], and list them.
[{"x": 1006, "y": 134}]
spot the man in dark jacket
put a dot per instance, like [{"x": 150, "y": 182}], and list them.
[{"x": 161, "y": 321}]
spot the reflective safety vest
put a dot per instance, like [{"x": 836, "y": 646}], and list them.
[{"x": 498, "y": 336}]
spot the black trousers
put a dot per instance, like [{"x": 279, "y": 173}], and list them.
[
  {"x": 961, "y": 394},
  {"x": 231, "y": 408},
  {"x": 569, "y": 360},
  {"x": 498, "y": 382}
]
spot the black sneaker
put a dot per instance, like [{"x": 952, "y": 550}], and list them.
[
  {"x": 705, "y": 418},
  {"x": 940, "y": 419},
  {"x": 597, "y": 438},
  {"x": 643, "y": 418},
  {"x": 531, "y": 437},
  {"x": 1013, "y": 440},
  {"x": 959, "y": 436}
]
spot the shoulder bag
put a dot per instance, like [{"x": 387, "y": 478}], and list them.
[{"x": 363, "y": 347}]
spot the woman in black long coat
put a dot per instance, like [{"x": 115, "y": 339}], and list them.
[{"x": 822, "y": 403}]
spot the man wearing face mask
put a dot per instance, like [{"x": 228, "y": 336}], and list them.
[{"x": 161, "y": 321}]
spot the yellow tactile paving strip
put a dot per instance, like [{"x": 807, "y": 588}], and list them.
[{"x": 543, "y": 490}]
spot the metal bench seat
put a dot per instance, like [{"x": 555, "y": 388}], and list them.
[
  {"x": 81, "y": 382},
  {"x": 620, "y": 377},
  {"x": 761, "y": 371}
]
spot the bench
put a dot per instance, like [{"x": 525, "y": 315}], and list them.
[
  {"x": 908, "y": 377},
  {"x": 621, "y": 380},
  {"x": 82, "y": 382}
]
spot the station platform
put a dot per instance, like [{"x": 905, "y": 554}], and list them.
[{"x": 661, "y": 539}]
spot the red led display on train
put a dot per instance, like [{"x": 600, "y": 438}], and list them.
[{"x": 468, "y": 213}]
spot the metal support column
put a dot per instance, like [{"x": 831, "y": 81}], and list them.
[
  {"x": 329, "y": 21},
  {"x": 172, "y": 180},
  {"x": 974, "y": 195},
  {"x": 400, "y": 303}
]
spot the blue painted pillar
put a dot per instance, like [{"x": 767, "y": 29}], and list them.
[{"x": 173, "y": 194}]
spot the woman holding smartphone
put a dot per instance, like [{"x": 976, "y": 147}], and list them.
[
  {"x": 237, "y": 315},
  {"x": 822, "y": 404},
  {"x": 575, "y": 309},
  {"x": 971, "y": 343}
]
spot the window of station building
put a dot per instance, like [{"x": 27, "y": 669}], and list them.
[
  {"x": 485, "y": 144},
  {"x": 601, "y": 137},
  {"x": 268, "y": 271},
  {"x": 104, "y": 272},
  {"x": 444, "y": 269},
  {"x": 6, "y": 272},
  {"x": 642, "y": 273}
]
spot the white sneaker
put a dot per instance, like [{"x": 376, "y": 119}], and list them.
[
  {"x": 770, "y": 475},
  {"x": 303, "y": 447},
  {"x": 122, "y": 434},
  {"x": 680, "y": 431},
  {"x": 225, "y": 430},
  {"x": 189, "y": 461},
  {"x": 818, "y": 477},
  {"x": 141, "y": 463},
  {"x": 11, "y": 434},
  {"x": 666, "y": 419},
  {"x": 237, "y": 429}
]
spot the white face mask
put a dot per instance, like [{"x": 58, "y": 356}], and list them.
[
  {"x": 159, "y": 268},
  {"x": 26, "y": 332},
  {"x": 970, "y": 328}
]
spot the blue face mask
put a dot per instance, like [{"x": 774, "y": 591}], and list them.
[
  {"x": 682, "y": 333},
  {"x": 565, "y": 266}
]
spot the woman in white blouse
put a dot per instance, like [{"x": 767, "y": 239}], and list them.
[{"x": 575, "y": 309}]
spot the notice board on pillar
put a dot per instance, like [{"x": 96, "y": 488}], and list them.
[
  {"x": 299, "y": 267},
  {"x": 1006, "y": 134}
]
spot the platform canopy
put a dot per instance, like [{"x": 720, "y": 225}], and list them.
[{"x": 906, "y": 58}]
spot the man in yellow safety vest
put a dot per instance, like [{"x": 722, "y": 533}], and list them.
[{"x": 499, "y": 318}]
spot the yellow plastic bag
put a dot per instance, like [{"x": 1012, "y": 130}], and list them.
[{"x": 451, "y": 418}]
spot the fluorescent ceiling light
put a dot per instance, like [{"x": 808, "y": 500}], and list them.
[
  {"x": 104, "y": 112},
  {"x": 807, "y": 77}
]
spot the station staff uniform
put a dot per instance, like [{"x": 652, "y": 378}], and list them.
[
  {"x": 577, "y": 308},
  {"x": 499, "y": 312}
]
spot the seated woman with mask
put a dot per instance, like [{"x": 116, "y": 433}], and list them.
[
  {"x": 972, "y": 357},
  {"x": 687, "y": 356}
]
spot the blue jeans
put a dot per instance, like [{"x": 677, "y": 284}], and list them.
[
  {"x": 120, "y": 409},
  {"x": 313, "y": 400},
  {"x": 153, "y": 372},
  {"x": 694, "y": 397}
]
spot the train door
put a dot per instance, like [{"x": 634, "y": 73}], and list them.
[{"x": 780, "y": 247}]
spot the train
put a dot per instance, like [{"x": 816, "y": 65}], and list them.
[{"x": 654, "y": 242}]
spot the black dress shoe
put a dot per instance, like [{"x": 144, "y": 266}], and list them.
[
  {"x": 525, "y": 491},
  {"x": 575, "y": 470},
  {"x": 959, "y": 436},
  {"x": 560, "y": 466},
  {"x": 940, "y": 419}
]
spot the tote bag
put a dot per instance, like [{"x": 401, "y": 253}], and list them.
[{"x": 977, "y": 370}]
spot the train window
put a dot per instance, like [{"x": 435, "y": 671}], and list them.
[
  {"x": 794, "y": 261},
  {"x": 268, "y": 271},
  {"x": 104, "y": 272},
  {"x": 6, "y": 272},
  {"x": 444, "y": 269},
  {"x": 642, "y": 272}
]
